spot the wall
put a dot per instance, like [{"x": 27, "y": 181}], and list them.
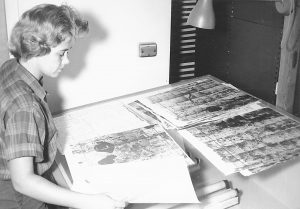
[
  {"x": 3, "y": 34},
  {"x": 106, "y": 63}
]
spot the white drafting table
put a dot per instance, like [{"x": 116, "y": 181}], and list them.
[{"x": 276, "y": 188}]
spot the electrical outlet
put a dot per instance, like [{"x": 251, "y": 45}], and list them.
[{"x": 147, "y": 49}]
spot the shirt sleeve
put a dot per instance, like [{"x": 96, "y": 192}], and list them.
[{"x": 24, "y": 134}]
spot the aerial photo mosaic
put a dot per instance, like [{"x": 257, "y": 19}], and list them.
[{"x": 237, "y": 127}]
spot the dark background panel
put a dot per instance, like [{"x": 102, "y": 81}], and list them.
[
  {"x": 244, "y": 48},
  {"x": 254, "y": 58},
  {"x": 260, "y": 12}
]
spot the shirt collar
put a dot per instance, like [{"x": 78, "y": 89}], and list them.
[{"x": 28, "y": 78}]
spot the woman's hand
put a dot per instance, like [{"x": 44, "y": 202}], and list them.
[
  {"x": 27, "y": 182},
  {"x": 103, "y": 201}
]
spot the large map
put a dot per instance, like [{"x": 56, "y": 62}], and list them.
[
  {"x": 234, "y": 130},
  {"x": 252, "y": 142},
  {"x": 110, "y": 150},
  {"x": 198, "y": 101},
  {"x": 149, "y": 142}
]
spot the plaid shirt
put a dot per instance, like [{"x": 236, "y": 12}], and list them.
[{"x": 26, "y": 125}]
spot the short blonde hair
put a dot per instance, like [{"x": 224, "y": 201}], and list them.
[{"x": 44, "y": 27}]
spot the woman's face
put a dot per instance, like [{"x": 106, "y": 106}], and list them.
[{"x": 53, "y": 63}]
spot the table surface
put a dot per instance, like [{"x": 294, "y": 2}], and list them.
[{"x": 276, "y": 188}]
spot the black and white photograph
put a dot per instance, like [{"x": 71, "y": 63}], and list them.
[{"x": 149, "y": 104}]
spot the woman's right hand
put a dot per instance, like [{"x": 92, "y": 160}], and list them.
[{"x": 103, "y": 201}]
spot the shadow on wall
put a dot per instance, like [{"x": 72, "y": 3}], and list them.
[{"x": 77, "y": 57}]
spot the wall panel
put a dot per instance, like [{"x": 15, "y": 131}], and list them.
[{"x": 244, "y": 48}]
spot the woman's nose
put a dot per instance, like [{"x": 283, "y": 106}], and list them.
[{"x": 65, "y": 59}]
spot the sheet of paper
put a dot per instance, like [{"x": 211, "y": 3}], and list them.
[
  {"x": 149, "y": 142},
  {"x": 234, "y": 130},
  {"x": 108, "y": 149},
  {"x": 199, "y": 101},
  {"x": 249, "y": 142},
  {"x": 144, "y": 163},
  {"x": 225, "y": 167},
  {"x": 152, "y": 181},
  {"x": 95, "y": 120}
]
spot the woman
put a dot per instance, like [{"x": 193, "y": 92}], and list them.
[{"x": 40, "y": 42}]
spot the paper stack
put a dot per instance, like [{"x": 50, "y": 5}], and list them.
[{"x": 217, "y": 196}]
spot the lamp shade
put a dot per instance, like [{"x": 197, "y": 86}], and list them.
[{"x": 202, "y": 15}]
